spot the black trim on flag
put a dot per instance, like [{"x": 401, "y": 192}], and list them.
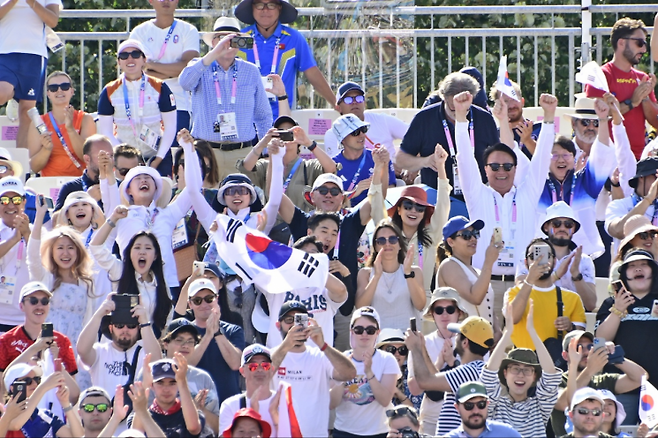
[
  {"x": 308, "y": 265},
  {"x": 231, "y": 229},
  {"x": 243, "y": 271}
]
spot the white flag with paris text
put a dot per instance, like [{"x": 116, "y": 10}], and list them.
[
  {"x": 503, "y": 84},
  {"x": 648, "y": 408},
  {"x": 592, "y": 75},
  {"x": 269, "y": 265}
]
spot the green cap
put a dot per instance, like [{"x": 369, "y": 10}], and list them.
[{"x": 471, "y": 390}]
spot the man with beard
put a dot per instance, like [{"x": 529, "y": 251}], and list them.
[
  {"x": 633, "y": 88},
  {"x": 539, "y": 286},
  {"x": 472, "y": 404},
  {"x": 573, "y": 269},
  {"x": 586, "y": 413}
]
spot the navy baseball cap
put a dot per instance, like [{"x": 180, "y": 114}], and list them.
[
  {"x": 180, "y": 325},
  {"x": 289, "y": 306},
  {"x": 163, "y": 369},
  {"x": 284, "y": 119},
  {"x": 347, "y": 87},
  {"x": 459, "y": 223}
]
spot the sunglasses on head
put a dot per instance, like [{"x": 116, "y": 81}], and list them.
[
  {"x": 469, "y": 234},
  {"x": 100, "y": 407},
  {"x": 401, "y": 412},
  {"x": 449, "y": 309},
  {"x": 362, "y": 129},
  {"x": 587, "y": 122},
  {"x": 639, "y": 41},
  {"x": 65, "y": 86},
  {"x": 506, "y": 166},
  {"x": 568, "y": 224},
  {"x": 482, "y": 404},
  {"x": 34, "y": 300},
  {"x": 335, "y": 191},
  {"x": 136, "y": 54},
  {"x": 584, "y": 411},
  {"x": 237, "y": 191},
  {"x": 403, "y": 350},
  {"x": 266, "y": 366},
  {"x": 381, "y": 241},
  {"x": 646, "y": 235},
  {"x": 408, "y": 205},
  {"x": 359, "y": 329},
  {"x": 198, "y": 300},
  {"x": 28, "y": 380},
  {"x": 16, "y": 200},
  {"x": 351, "y": 99},
  {"x": 121, "y": 326}
]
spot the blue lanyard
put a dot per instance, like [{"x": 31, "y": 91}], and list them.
[
  {"x": 164, "y": 46},
  {"x": 91, "y": 233},
  {"x": 292, "y": 173},
  {"x": 61, "y": 139},
  {"x": 142, "y": 89},
  {"x": 358, "y": 172}
]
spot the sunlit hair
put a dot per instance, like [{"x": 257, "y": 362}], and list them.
[
  {"x": 82, "y": 268},
  {"x": 387, "y": 223}
]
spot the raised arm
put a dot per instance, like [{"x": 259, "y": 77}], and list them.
[
  {"x": 381, "y": 158},
  {"x": 190, "y": 413},
  {"x": 469, "y": 171},
  {"x": 425, "y": 379},
  {"x": 34, "y": 264},
  {"x": 276, "y": 185},
  {"x": 574, "y": 355},
  {"x": 89, "y": 333},
  {"x": 535, "y": 179},
  {"x": 344, "y": 369},
  {"x": 608, "y": 327},
  {"x": 193, "y": 181},
  {"x": 500, "y": 352}
]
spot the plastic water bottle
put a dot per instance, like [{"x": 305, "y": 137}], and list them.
[{"x": 37, "y": 120}]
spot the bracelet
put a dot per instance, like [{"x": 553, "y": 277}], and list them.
[
  {"x": 618, "y": 312},
  {"x": 614, "y": 185},
  {"x": 371, "y": 378},
  {"x": 282, "y": 97},
  {"x": 548, "y": 123},
  {"x": 528, "y": 284},
  {"x": 68, "y": 408},
  {"x": 111, "y": 223},
  {"x": 146, "y": 324},
  {"x": 324, "y": 347},
  {"x": 312, "y": 146}
]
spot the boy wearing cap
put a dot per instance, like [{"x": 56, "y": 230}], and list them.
[
  {"x": 95, "y": 410},
  {"x": 475, "y": 338},
  {"x": 139, "y": 121},
  {"x": 586, "y": 413},
  {"x": 472, "y": 403}
]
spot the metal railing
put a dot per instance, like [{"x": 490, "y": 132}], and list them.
[{"x": 387, "y": 55}]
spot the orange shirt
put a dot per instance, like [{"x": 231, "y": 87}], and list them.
[{"x": 60, "y": 164}]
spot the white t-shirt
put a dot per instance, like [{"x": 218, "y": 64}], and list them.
[
  {"x": 22, "y": 31},
  {"x": 359, "y": 413},
  {"x": 185, "y": 37},
  {"x": 434, "y": 345},
  {"x": 317, "y": 302},
  {"x": 309, "y": 375},
  {"x": 384, "y": 129},
  {"x": 232, "y": 405},
  {"x": 109, "y": 369}
]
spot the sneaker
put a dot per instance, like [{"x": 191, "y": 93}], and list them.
[{"x": 12, "y": 110}]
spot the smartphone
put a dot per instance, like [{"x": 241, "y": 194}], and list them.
[
  {"x": 123, "y": 304},
  {"x": 599, "y": 343},
  {"x": 618, "y": 356},
  {"x": 617, "y": 286},
  {"x": 199, "y": 266},
  {"x": 541, "y": 250},
  {"x": 285, "y": 135},
  {"x": 498, "y": 235},
  {"x": 47, "y": 330},
  {"x": 412, "y": 324},
  {"x": 48, "y": 201},
  {"x": 20, "y": 388},
  {"x": 58, "y": 365},
  {"x": 654, "y": 309},
  {"x": 242, "y": 42},
  {"x": 301, "y": 319}
]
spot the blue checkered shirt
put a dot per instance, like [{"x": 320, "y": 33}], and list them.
[{"x": 252, "y": 109}]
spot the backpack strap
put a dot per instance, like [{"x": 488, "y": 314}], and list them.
[{"x": 560, "y": 306}]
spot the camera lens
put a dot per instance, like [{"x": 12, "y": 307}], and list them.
[{"x": 242, "y": 43}]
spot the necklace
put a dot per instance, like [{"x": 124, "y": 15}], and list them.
[{"x": 389, "y": 286}]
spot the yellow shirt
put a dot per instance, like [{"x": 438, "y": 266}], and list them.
[{"x": 545, "y": 314}]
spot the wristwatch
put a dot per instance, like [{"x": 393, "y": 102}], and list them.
[
  {"x": 411, "y": 275},
  {"x": 312, "y": 146},
  {"x": 282, "y": 97},
  {"x": 219, "y": 332},
  {"x": 628, "y": 103},
  {"x": 578, "y": 277}
]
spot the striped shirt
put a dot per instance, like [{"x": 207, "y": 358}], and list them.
[
  {"x": 528, "y": 417},
  {"x": 449, "y": 418}
]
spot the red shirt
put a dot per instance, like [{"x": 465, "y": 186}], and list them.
[
  {"x": 622, "y": 84},
  {"x": 16, "y": 340}
]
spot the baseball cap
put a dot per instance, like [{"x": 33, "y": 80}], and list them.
[
  {"x": 94, "y": 391},
  {"x": 366, "y": 311},
  {"x": 254, "y": 350},
  {"x": 131, "y": 43},
  {"x": 163, "y": 369},
  {"x": 180, "y": 325},
  {"x": 19, "y": 370},
  {"x": 586, "y": 393},
  {"x": 292, "y": 305},
  {"x": 575, "y": 334},
  {"x": 458, "y": 223},
  {"x": 328, "y": 178},
  {"x": 11, "y": 184},
  {"x": 476, "y": 329},
  {"x": 347, "y": 124},
  {"x": 346, "y": 88},
  {"x": 284, "y": 119},
  {"x": 32, "y": 287},
  {"x": 200, "y": 284},
  {"x": 469, "y": 390}
]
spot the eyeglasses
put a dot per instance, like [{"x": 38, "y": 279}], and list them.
[
  {"x": 568, "y": 224},
  {"x": 587, "y": 347},
  {"x": 237, "y": 191},
  {"x": 639, "y": 41},
  {"x": 16, "y": 200},
  {"x": 646, "y": 235},
  {"x": 584, "y": 411},
  {"x": 449, "y": 309},
  {"x": 408, "y": 205},
  {"x": 34, "y": 300},
  {"x": 65, "y": 86},
  {"x": 359, "y": 329},
  {"x": 351, "y": 99},
  {"x": 362, "y": 129},
  {"x": 29, "y": 380},
  {"x": 121, "y": 326},
  {"x": 335, "y": 191},
  {"x": 565, "y": 157},
  {"x": 136, "y": 54},
  {"x": 587, "y": 122},
  {"x": 381, "y": 241},
  {"x": 182, "y": 343},
  {"x": 506, "y": 166},
  {"x": 521, "y": 371},
  {"x": 4, "y": 169},
  {"x": 198, "y": 300},
  {"x": 270, "y": 6},
  {"x": 266, "y": 366},
  {"x": 482, "y": 404},
  {"x": 401, "y": 412},
  {"x": 403, "y": 350},
  {"x": 468, "y": 234},
  {"x": 89, "y": 407}
]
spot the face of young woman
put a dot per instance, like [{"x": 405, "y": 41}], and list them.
[
  {"x": 142, "y": 255},
  {"x": 65, "y": 253},
  {"x": 142, "y": 189},
  {"x": 80, "y": 214}
]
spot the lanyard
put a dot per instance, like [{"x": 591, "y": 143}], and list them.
[
  {"x": 290, "y": 175},
  {"x": 150, "y": 220},
  {"x": 91, "y": 233},
  {"x": 274, "y": 58},
  {"x": 234, "y": 86},
  {"x": 513, "y": 211},
  {"x": 551, "y": 186},
  {"x": 166, "y": 40},
  {"x": 654, "y": 219},
  {"x": 420, "y": 253},
  {"x": 85, "y": 186},
  {"x": 358, "y": 173},
  {"x": 140, "y": 112},
  {"x": 471, "y": 134},
  {"x": 61, "y": 139}
]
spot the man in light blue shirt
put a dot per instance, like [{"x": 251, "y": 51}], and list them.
[{"x": 473, "y": 404}]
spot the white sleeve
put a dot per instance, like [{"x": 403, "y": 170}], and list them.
[
  {"x": 535, "y": 179},
  {"x": 109, "y": 196},
  {"x": 34, "y": 265},
  {"x": 107, "y": 261},
  {"x": 106, "y": 127},
  {"x": 276, "y": 190},
  {"x": 469, "y": 172},
  {"x": 170, "y": 123},
  {"x": 204, "y": 212},
  {"x": 625, "y": 159}
]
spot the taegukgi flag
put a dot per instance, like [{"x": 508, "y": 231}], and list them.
[
  {"x": 591, "y": 74},
  {"x": 503, "y": 84},
  {"x": 270, "y": 265},
  {"x": 648, "y": 408}
]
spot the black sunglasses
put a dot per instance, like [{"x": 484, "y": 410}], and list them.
[
  {"x": 401, "y": 412},
  {"x": 28, "y": 380},
  {"x": 381, "y": 241},
  {"x": 136, "y": 54},
  {"x": 335, "y": 191},
  {"x": 359, "y": 329},
  {"x": 482, "y": 404},
  {"x": 65, "y": 86},
  {"x": 358, "y": 99},
  {"x": 362, "y": 129},
  {"x": 639, "y": 41},
  {"x": 123, "y": 171},
  {"x": 408, "y": 205},
  {"x": 568, "y": 224},
  {"x": 121, "y": 326},
  {"x": 506, "y": 166},
  {"x": 403, "y": 350},
  {"x": 439, "y": 310},
  {"x": 100, "y": 407},
  {"x": 468, "y": 234},
  {"x": 198, "y": 300},
  {"x": 587, "y": 122},
  {"x": 584, "y": 411},
  {"x": 34, "y": 300},
  {"x": 646, "y": 235}
]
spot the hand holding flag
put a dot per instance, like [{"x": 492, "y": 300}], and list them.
[
  {"x": 503, "y": 84},
  {"x": 592, "y": 75}
]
